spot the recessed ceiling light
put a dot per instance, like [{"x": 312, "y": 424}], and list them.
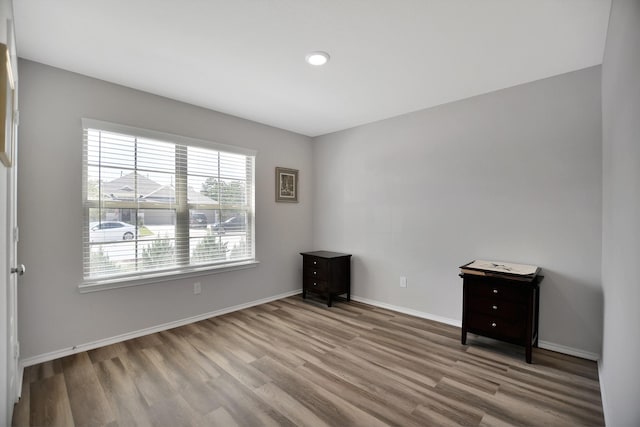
[{"x": 317, "y": 58}]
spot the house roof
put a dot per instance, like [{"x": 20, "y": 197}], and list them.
[{"x": 123, "y": 188}]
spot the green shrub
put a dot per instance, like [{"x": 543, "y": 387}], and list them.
[
  {"x": 101, "y": 264},
  {"x": 158, "y": 254},
  {"x": 210, "y": 248}
]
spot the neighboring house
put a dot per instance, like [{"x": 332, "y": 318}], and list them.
[{"x": 124, "y": 189}]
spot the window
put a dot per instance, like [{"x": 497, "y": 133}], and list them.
[{"x": 163, "y": 204}]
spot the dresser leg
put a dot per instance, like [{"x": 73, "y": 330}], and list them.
[
  {"x": 329, "y": 301},
  {"x": 304, "y": 294},
  {"x": 463, "y": 339},
  {"x": 528, "y": 353}
]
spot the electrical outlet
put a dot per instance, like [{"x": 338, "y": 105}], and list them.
[
  {"x": 403, "y": 281},
  {"x": 197, "y": 288}
]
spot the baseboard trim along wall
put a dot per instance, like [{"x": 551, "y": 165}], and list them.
[
  {"x": 569, "y": 350},
  {"x": 142, "y": 332},
  {"x": 603, "y": 397},
  {"x": 458, "y": 323},
  {"x": 409, "y": 311}
]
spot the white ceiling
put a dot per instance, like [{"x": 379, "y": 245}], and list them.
[{"x": 246, "y": 57}]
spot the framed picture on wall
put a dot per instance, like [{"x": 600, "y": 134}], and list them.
[{"x": 286, "y": 185}]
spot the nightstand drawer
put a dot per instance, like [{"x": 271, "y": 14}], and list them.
[
  {"x": 315, "y": 273},
  {"x": 312, "y": 285},
  {"x": 497, "y": 291},
  {"x": 495, "y": 326},
  {"x": 315, "y": 263},
  {"x": 504, "y": 309}
]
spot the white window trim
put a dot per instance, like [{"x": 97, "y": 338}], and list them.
[
  {"x": 162, "y": 276},
  {"x": 164, "y": 136},
  {"x": 94, "y": 285}
]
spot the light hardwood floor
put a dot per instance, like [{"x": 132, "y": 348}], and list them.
[{"x": 294, "y": 362}]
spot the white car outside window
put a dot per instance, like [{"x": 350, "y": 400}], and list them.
[{"x": 110, "y": 231}]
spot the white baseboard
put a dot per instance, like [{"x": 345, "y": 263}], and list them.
[
  {"x": 559, "y": 348},
  {"x": 454, "y": 322},
  {"x": 409, "y": 311},
  {"x": 602, "y": 392},
  {"x": 20, "y": 379},
  {"x": 34, "y": 360}
]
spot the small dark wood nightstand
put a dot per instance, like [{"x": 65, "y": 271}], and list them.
[
  {"x": 502, "y": 308},
  {"x": 326, "y": 273}
]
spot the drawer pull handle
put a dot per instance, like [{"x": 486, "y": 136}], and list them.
[
  {"x": 495, "y": 307},
  {"x": 315, "y": 262},
  {"x": 315, "y": 284},
  {"x": 495, "y": 291},
  {"x": 493, "y": 325},
  {"x": 315, "y": 272}
]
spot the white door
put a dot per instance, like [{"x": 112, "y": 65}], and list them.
[
  {"x": 13, "y": 374},
  {"x": 15, "y": 270},
  {"x": 13, "y": 346}
]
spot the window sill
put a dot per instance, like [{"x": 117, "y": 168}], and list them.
[{"x": 146, "y": 279}]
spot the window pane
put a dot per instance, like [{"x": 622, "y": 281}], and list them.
[
  {"x": 140, "y": 215},
  {"x": 201, "y": 219},
  {"x": 240, "y": 249},
  {"x": 203, "y": 162},
  {"x": 157, "y": 253},
  {"x": 233, "y": 166},
  {"x": 159, "y": 222},
  {"x": 118, "y": 245},
  {"x": 231, "y": 222},
  {"x": 110, "y": 149},
  {"x": 209, "y": 248},
  {"x": 155, "y": 156},
  {"x": 232, "y": 192},
  {"x": 157, "y": 248}
]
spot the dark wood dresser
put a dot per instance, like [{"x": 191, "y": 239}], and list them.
[
  {"x": 502, "y": 308},
  {"x": 326, "y": 273}
]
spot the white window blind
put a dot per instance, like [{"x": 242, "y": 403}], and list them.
[{"x": 157, "y": 203}]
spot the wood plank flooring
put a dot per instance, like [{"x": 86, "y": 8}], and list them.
[{"x": 294, "y": 362}]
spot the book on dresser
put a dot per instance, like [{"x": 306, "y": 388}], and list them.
[{"x": 507, "y": 270}]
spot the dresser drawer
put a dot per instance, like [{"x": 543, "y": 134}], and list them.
[
  {"x": 493, "y": 326},
  {"x": 498, "y": 291},
  {"x": 504, "y": 309},
  {"x": 314, "y": 263},
  {"x": 314, "y": 285},
  {"x": 316, "y": 273}
]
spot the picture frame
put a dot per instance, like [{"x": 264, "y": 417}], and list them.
[
  {"x": 7, "y": 104},
  {"x": 286, "y": 185}
]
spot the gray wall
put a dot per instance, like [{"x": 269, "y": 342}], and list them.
[
  {"x": 53, "y": 314},
  {"x": 620, "y": 381},
  {"x": 514, "y": 175}
]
